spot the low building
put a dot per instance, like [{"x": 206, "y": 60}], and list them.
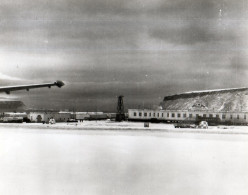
[
  {"x": 45, "y": 116},
  {"x": 172, "y": 116},
  {"x": 13, "y": 117},
  {"x": 90, "y": 115},
  {"x": 225, "y": 106},
  {"x": 111, "y": 116},
  {"x": 81, "y": 115},
  {"x": 15, "y": 114},
  {"x": 97, "y": 116}
]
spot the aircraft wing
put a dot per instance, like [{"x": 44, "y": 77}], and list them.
[{"x": 27, "y": 87}]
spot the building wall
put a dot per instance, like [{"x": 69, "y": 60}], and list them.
[
  {"x": 81, "y": 115},
  {"x": 91, "y": 115},
  {"x": 15, "y": 114},
  {"x": 46, "y": 116},
  {"x": 185, "y": 115},
  {"x": 33, "y": 116}
]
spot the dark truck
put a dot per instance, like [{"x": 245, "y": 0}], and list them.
[
  {"x": 212, "y": 121},
  {"x": 185, "y": 124}
]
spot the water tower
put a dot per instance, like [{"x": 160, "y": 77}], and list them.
[{"x": 120, "y": 114}]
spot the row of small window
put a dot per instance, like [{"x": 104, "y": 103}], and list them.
[
  {"x": 158, "y": 114},
  {"x": 146, "y": 114},
  {"x": 162, "y": 115},
  {"x": 150, "y": 114},
  {"x": 184, "y": 115}
]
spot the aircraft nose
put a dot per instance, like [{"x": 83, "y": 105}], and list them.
[{"x": 59, "y": 83}]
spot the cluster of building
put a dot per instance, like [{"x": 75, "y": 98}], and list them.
[{"x": 44, "y": 116}]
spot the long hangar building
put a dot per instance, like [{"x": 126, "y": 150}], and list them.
[{"x": 222, "y": 106}]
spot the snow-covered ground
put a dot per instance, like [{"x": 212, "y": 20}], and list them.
[
  {"x": 111, "y": 125},
  {"x": 36, "y": 159}
]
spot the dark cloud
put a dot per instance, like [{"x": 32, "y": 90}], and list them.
[
  {"x": 61, "y": 9},
  {"x": 83, "y": 9},
  {"x": 238, "y": 64},
  {"x": 68, "y": 35},
  {"x": 195, "y": 31},
  {"x": 188, "y": 9}
]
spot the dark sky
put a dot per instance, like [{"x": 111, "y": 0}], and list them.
[{"x": 141, "y": 49}]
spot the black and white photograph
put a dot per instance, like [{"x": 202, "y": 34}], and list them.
[{"x": 123, "y": 97}]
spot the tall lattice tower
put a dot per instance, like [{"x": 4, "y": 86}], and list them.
[{"x": 120, "y": 115}]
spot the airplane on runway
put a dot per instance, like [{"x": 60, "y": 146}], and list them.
[{"x": 8, "y": 89}]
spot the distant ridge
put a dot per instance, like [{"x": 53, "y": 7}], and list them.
[
  {"x": 203, "y": 92},
  {"x": 226, "y": 100},
  {"x": 11, "y": 106},
  {"x": 217, "y": 90}
]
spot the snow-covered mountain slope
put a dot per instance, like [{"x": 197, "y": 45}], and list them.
[{"x": 218, "y": 100}]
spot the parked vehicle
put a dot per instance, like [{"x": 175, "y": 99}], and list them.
[
  {"x": 212, "y": 121},
  {"x": 72, "y": 121},
  {"x": 11, "y": 119},
  {"x": 185, "y": 125},
  {"x": 203, "y": 125},
  {"x": 52, "y": 121}
]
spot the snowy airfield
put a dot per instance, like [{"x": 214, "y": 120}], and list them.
[{"x": 103, "y": 157}]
